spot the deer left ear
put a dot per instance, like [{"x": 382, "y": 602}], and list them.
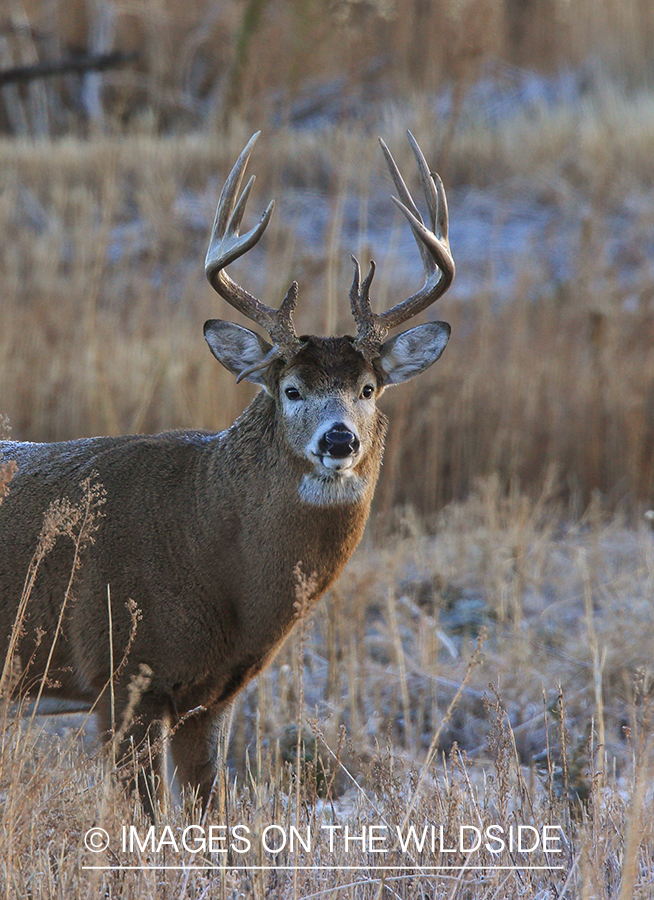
[{"x": 411, "y": 352}]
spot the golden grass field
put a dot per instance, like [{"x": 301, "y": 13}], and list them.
[{"x": 485, "y": 660}]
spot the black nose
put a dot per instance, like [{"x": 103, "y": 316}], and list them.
[{"x": 338, "y": 442}]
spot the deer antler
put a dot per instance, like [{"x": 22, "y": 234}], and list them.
[
  {"x": 434, "y": 249},
  {"x": 226, "y": 245}
]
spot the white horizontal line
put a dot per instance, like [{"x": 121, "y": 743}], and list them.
[{"x": 334, "y": 868}]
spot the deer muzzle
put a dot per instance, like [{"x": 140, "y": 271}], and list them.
[{"x": 339, "y": 442}]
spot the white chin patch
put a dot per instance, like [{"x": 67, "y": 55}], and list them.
[
  {"x": 336, "y": 465},
  {"x": 325, "y": 490}
]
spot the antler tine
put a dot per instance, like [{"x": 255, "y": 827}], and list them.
[
  {"x": 355, "y": 296},
  {"x": 400, "y": 185},
  {"x": 227, "y": 245},
  {"x": 369, "y": 333},
  {"x": 433, "y": 243},
  {"x": 359, "y": 299},
  {"x": 429, "y": 181}
]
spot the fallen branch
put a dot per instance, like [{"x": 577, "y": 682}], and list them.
[{"x": 97, "y": 62}]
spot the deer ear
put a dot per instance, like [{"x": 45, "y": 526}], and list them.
[
  {"x": 411, "y": 352},
  {"x": 238, "y": 349}
]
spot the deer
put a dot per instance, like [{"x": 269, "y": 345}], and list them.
[{"x": 205, "y": 533}]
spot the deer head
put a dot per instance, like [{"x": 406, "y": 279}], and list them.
[{"x": 325, "y": 389}]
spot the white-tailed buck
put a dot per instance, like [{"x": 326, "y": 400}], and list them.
[{"x": 207, "y": 533}]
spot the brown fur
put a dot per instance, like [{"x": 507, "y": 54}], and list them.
[{"x": 204, "y": 533}]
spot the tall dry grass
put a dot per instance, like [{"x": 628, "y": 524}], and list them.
[
  {"x": 104, "y": 297},
  {"x": 200, "y": 62},
  {"x": 408, "y": 698}
]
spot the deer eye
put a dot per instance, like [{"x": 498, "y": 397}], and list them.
[
  {"x": 293, "y": 393},
  {"x": 368, "y": 391}
]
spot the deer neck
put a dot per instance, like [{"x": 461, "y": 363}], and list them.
[{"x": 262, "y": 497}]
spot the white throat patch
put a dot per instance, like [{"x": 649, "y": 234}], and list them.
[{"x": 318, "y": 490}]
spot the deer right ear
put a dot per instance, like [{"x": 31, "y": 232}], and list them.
[{"x": 238, "y": 349}]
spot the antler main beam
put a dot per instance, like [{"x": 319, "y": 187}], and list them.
[
  {"x": 434, "y": 248},
  {"x": 227, "y": 245}
]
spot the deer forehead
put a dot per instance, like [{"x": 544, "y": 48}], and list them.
[{"x": 327, "y": 365}]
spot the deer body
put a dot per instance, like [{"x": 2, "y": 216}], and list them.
[
  {"x": 202, "y": 573},
  {"x": 210, "y": 535}
]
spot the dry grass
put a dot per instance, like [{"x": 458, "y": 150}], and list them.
[
  {"x": 485, "y": 660},
  {"x": 103, "y": 293},
  {"x": 424, "y": 646},
  {"x": 201, "y": 63}
]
